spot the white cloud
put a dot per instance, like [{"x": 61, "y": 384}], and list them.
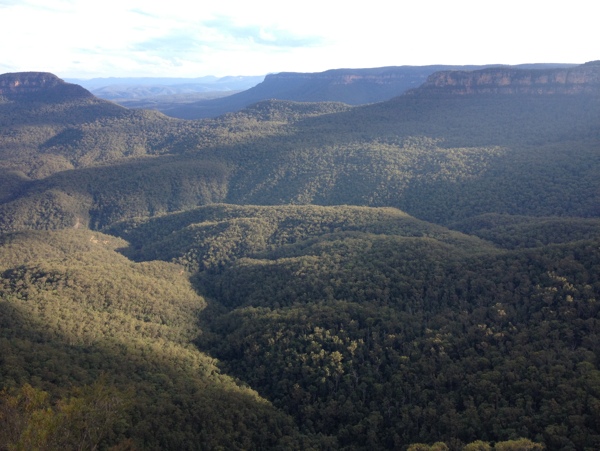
[{"x": 78, "y": 38}]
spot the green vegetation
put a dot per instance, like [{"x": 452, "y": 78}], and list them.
[
  {"x": 442, "y": 159},
  {"x": 73, "y": 311},
  {"x": 422, "y": 273},
  {"x": 509, "y": 445},
  {"x": 526, "y": 231},
  {"x": 383, "y": 330},
  {"x": 391, "y": 341},
  {"x": 28, "y": 420},
  {"x": 211, "y": 236}
]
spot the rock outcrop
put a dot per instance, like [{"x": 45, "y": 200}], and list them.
[
  {"x": 42, "y": 86},
  {"x": 583, "y": 79}
]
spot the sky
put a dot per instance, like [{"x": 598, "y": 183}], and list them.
[{"x": 177, "y": 38}]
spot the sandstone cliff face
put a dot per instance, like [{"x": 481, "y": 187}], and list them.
[
  {"x": 584, "y": 79},
  {"x": 42, "y": 85}
]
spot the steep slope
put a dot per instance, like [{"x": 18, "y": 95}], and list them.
[
  {"x": 38, "y": 111},
  {"x": 584, "y": 79},
  {"x": 73, "y": 309},
  {"x": 28, "y": 85},
  {"x": 47, "y": 126}
]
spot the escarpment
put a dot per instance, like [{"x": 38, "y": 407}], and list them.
[
  {"x": 39, "y": 85},
  {"x": 583, "y": 79}
]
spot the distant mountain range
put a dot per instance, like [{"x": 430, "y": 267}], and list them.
[
  {"x": 211, "y": 96},
  {"x": 127, "y": 88}
]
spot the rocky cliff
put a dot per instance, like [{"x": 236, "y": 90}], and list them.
[
  {"x": 39, "y": 86},
  {"x": 583, "y": 79}
]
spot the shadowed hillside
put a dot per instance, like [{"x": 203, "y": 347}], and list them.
[{"x": 72, "y": 309}]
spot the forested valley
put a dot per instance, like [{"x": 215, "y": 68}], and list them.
[{"x": 416, "y": 274}]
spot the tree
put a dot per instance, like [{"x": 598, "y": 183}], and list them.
[
  {"x": 28, "y": 421},
  {"x": 478, "y": 446},
  {"x": 522, "y": 444}
]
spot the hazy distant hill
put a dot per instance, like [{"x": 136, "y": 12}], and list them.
[
  {"x": 165, "y": 94},
  {"x": 122, "y": 88},
  {"x": 351, "y": 86}
]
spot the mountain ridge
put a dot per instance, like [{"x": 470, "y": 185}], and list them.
[{"x": 351, "y": 86}]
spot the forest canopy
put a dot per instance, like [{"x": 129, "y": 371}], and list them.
[{"x": 416, "y": 274}]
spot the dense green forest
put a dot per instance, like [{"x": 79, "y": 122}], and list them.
[
  {"x": 416, "y": 274},
  {"x": 76, "y": 312},
  {"x": 386, "y": 330}
]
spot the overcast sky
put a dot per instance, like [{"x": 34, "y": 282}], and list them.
[{"x": 177, "y": 38}]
